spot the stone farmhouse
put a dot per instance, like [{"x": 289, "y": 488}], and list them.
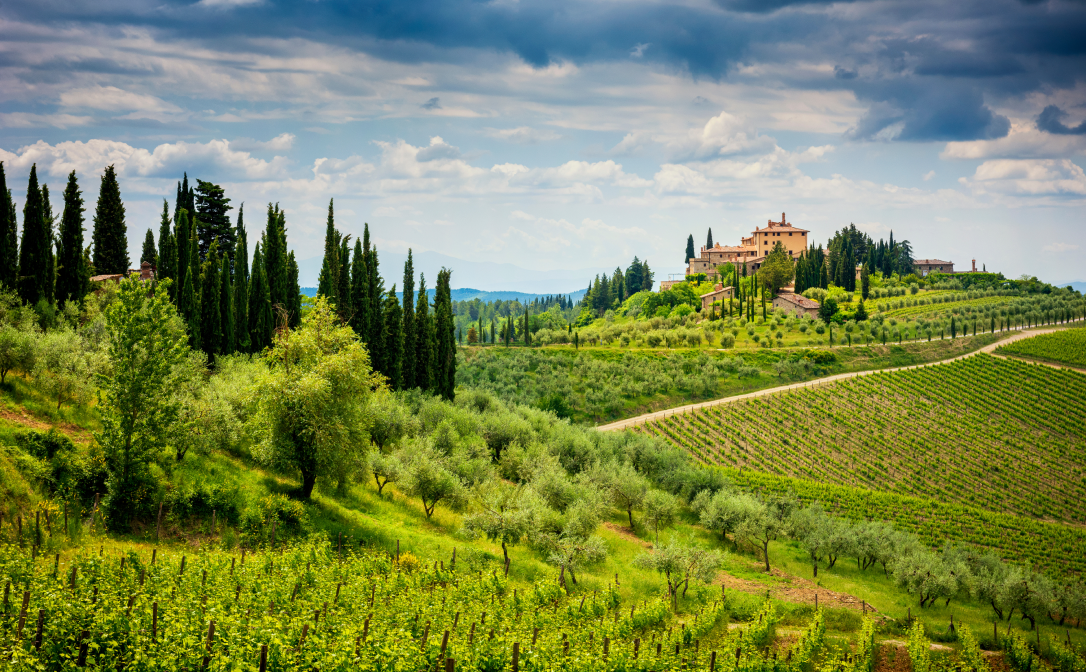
[
  {"x": 796, "y": 303},
  {"x": 925, "y": 266},
  {"x": 752, "y": 250}
]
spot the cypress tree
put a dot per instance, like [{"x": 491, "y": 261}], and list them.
[
  {"x": 34, "y": 249},
  {"x": 689, "y": 248},
  {"x": 9, "y": 236},
  {"x": 182, "y": 237},
  {"x": 294, "y": 296},
  {"x": 190, "y": 299},
  {"x": 110, "y": 232},
  {"x": 328, "y": 281},
  {"x": 71, "y": 274},
  {"x": 444, "y": 338},
  {"x": 709, "y": 240},
  {"x": 343, "y": 292},
  {"x": 211, "y": 206},
  {"x": 275, "y": 258},
  {"x": 167, "y": 252},
  {"x": 424, "y": 339},
  {"x": 408, "y": 362},
  {"x": 226, "y": 307},
  {"x": 261, "y": 322},
  {"x": 50, "y": 275},
  {"x": 149, "y": 254},
  {"x": 865, "y": 281},
  {"x": 210, "y": 313},
  {"x": 360, "y": 293},
  {"x": 376, "y": 315},
  {"x": 241, "y": 286},
  {"x": 392, "y": 347}
]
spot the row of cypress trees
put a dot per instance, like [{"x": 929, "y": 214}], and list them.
[
  {"x": 407, "y": 344},
  {"x": 52, "y": 267},
  {"x": 227, "y": 308}
]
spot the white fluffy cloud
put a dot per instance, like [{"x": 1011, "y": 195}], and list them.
[
  {"x": 1028, "y": 177},
  {"x": 1024, "y": 141}
]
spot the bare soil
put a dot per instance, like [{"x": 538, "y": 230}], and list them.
[
  {"x": 626, "y": 534},
  {"x": 20, "y": 417},
  {"x": 793, "y": 589}
]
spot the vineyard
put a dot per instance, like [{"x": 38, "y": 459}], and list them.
[
  {"x": 322, "y": 606},
  {"x": 1067, "y": 346},
  {"x": 948, "y": 451}
]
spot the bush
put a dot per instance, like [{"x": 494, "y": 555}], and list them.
[
  {"x": 43, "y": 445},
  {"x": 286, "y": 516}
]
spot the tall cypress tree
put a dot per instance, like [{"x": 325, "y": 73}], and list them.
[
  {"x": 183, "y": 236},
  {"x": 360, "y": 300},
  {"x": 9, "y": 236},
  {"x": 71, "y": 274},
  {"x": 328, "y": 281},
  {"x": 424, "y": 340},
  {"x": 261, "y": 321},
  {"x": 294, "y": 292},
  {"x": 376, "y": 314},
  {"x": 167, "y": 252},
  {"x": 50, "y": 274},
  {"x": 709, "y": 239},
  {"x": 689, "y": 248},
  {"x": 212, "y": 206},
  {"x": 444, "y": 338},
  {"x": 34, "y": 249},
  {"x": 226, "y": 308},
  {"x": 195, "y": 301},
  {"x": 149, "y": 254},
  {"x": 392, "y": 347},
  {"x": 210, "y": 314},
  {"x": 241, "y": 285},
  {"x": 110, "y": 232},
  {"x": 408, "y": 363},
  {"x": 275, "y": 257},
  {"x": 343, "y": 292}
]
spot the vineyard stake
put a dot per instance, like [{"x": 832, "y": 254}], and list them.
[
  {"x": 450, "y": 665},
  {"x": 338, "y": 586},
  {"x": 143, "y": 574},
  {"x": 154, "y": 556},
  {"x": 516, "y": 656},
  {"x": 712, "y": 662},
  {"x": 158, "y": 526},
  {"x": 366, "y": 627},
  {"x": 263, "y": 658},
  {"x": 232, "y": 560},
  {"x": 207, "y": 647},
  {"x": 444, "y": 645},
  {"x": 301, "y": 640},
  {"x": 357, "y": 644},
  {"x": 56, "y": 566},
  {"x": 456, "y": 620},
  {"x": 182, "y": 570},
  {"x": 637, "y": 646},
  {"x": 425, "y": 636},
  {"x": 67, "y": 530},
  {"x": 41, "y": 623},
  {"x": 22, "y": 614},
  {"x": 471, "y": 635},
  {"x": 82, "y": 660},
  {"x": 154, "y": 623},
  {"x": 535, "y": 635}
]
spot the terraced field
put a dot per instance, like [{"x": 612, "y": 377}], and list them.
[
  {"x": 1065, "y": 347},
  {"x": 947, "y": 447}
]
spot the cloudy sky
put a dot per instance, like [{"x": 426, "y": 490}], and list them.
[{"x": 572, "y": 134}]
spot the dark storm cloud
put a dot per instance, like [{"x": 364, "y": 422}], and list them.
[
  {"x": 1051, "y": 121},
  {"x": 928, "y": 69}
]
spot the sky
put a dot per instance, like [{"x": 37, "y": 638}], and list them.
[{"x": 565, "y": 137}]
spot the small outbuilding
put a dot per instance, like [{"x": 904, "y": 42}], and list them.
[
  {"x": 719, "y": 293},
  {"x": 796, "y": 303}
]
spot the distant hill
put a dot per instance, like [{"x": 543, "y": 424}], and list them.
[
  {"x": 1079, "y": 286},
  {"x": 467, "y": 294}
]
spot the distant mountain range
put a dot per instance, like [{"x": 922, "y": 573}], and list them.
[
  {"x": 467, "y": 294},
  {"x": 1079, "y": 286},
  {"x": 487, "y": 276}
]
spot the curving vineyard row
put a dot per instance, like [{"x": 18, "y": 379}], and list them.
[
  {"x": 966, "y": 432},
  {"x": 1067, "y": 346}
]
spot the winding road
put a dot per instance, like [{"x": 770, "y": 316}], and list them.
[{"x": 655, "y": 415}]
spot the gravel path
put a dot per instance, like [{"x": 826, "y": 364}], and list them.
[{"x": 656, "y": 415}]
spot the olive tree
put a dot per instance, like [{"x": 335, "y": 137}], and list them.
[
  {"x": 64, "y": 368},
  {"x": 313, "y": 411},
  {"x": 428, "y": 475},
  {"x": 660, "y": 509},
  {"x": 679, "y": 563},
  {"x": 17, "y": 350},
  {"x": 505, "y": 513},
  {"x": 628, "y": 489},
  {"x": 765, "y": 522}
]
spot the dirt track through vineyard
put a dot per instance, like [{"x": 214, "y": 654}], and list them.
[{"x": 678, "y": 410}]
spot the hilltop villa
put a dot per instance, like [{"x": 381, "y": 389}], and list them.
[{"x": 752, "y": 250}]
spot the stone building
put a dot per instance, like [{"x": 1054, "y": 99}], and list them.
[
  {"x": 752, "y": 249},
  {"x": 925, "y": 266},
  {"x": 796, "y": 303},
  {"x": 719, "y": 293}
]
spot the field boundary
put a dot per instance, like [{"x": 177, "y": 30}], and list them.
[{"x": 988, "y": 349}]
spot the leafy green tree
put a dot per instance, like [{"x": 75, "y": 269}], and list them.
[
  {"x": 571, "y": 553},
  {"x": 505, "y": 513},
  {"x": 410, "y": 342},
  {"x": 778, "y": 269},
  {"x": 811, "y": 526},
  {"x": 18, "y": 349},
  {"x": 386, "y": 468},
  {"x": 9, "y": 236},
  {"x": 827, "y": 310},
  {"x": 213, "y": 225},
  {"x": 627, "y": 489},
  {"x": 660, "y": 509},
  {"x": 679, "y": 563},
  {"x": 925, "y": 575},
  {"x": 431, "y": 477},
  {"x": 145, "y": 347},
  {"x": 35, "y": 251},
  {"x": 722, "y": 511},
  {"x": 444, "y": 339},
  {"x": 766, "y": 522},
  {"x": 313, "y": 409},
  {"x": 110, "y": 231},
  {"x": 72, "y": 278},
  {"x": 65, "y": 368}
]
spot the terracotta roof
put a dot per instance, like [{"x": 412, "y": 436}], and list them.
[
  {"x": 722, "y": 290},
  {"x": 779, "y": 228},
  {"x": 797, "y": 299},
  {"x": 108, "y": 276},
  {"x": 932, "y": 262}
]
